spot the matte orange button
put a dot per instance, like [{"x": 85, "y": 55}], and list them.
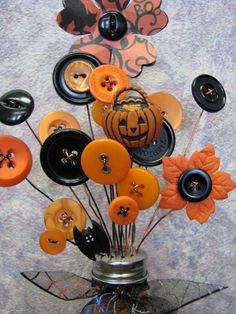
[
  {"x": 98, "y": 110},
  {"x": 123, "y": 210},
  {"x": 15, "y": 160},
  {"x": 141, "y": 185},
  {"x": 52, "y": 241},
  {"x": 77, "y": 76},
  {"x": 105, "y": 81},
  {"x": 55, "y": 121},
  {"x": 63, "y": 214},
  {"x": 169, "y": 106},
  {"x": 105, "y": 161}
]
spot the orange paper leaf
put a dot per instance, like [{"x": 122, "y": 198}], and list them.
[
  {"x": 174, "y": 167},
  {"x": 201, "y": 211},
  {"x": 222, "y": 184},
  {"x": 170, "y": 198}
]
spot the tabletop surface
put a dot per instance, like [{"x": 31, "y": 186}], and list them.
[{"x": 199, "y": 39}]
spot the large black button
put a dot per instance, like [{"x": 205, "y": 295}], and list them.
[
  {"x": 195, "y": 185},
  {"x": 208, "y": 93},
  {"x": 112, "y": 26},
  {"x": 65, "y": 86},
  {"x": 151, "y": 155},
  {"x": 15, "y": 107},
  {"x": 61, "y": 154}
]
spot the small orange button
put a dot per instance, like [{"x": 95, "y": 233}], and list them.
[
  {"x": 77, "y": 76},
  {"x": 169, "y": 106},
  {"x": 52, "y": 241},
  {"x": 98, "y": 109},
  {"x": 123, "y": 210},
  {"x": 141, "y": 185},
  {"x": 105, "y": 161},
  {"x": 54, "y": 121},
  {"x": 63, "y": 214},
  {"x": 105, "y": 81},
  {"x": 15, "y": 160}
]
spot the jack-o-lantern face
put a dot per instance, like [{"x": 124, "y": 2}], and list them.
[{"x": 133, "y": 122}]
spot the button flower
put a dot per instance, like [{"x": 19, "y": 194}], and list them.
[
  {"x": 112, "y": 30},
  {"x": 195, "y": 184}
]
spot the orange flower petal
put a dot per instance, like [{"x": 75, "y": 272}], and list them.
[
  {"x": 222, "y": 184},
  {"x": 171, "y": 199},
  {"x": 205, "y": 160},
  {"x": 174, "y": 167},
  {"x": 201, "y": 211}
]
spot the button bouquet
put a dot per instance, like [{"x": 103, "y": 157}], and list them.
[{"x": 138, "y": 135}]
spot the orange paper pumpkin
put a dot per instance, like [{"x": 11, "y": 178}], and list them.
[{"x": 133, "y": 121}]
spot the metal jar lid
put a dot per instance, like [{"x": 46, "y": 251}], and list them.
[{"x": 121, "y": 271}]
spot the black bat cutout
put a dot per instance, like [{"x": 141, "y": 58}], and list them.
[
  {"x": 15, "y": 107},
  {"x": 92, "y": 241}
]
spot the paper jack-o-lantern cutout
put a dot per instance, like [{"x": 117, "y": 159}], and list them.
[{"x": 133, "y": 121}]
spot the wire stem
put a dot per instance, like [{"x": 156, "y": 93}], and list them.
[
  {"x": 77, "y": 198},
  {"x": 90, "y": 122},
  {"x": 152, "y": 228},
  {"x": 37, "y": 189},
  {"x": 32, "y": 131}
]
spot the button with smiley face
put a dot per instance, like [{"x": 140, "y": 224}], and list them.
[
  {"x": 63, "y": 214},
  {"x": 141, "y": 185},
  {"x": 105, "y": 161},
  {"x": 52, "y": 241},
  {"x": 71, "y": 75},
  {"x": 15, "y": 160},
  {"x": 55, "y": 121},
  {"x": 15, "y": 107},
  {"x": 123, "y": 210},
  {"x": 105, "y": 81},
  {"x": 60, "y": 156},
  {"x": 209, "y": 93}
]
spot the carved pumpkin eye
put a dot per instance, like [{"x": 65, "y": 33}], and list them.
[
  {"x": 123, "y": 122},
  {"x": 141, "y": 121}
]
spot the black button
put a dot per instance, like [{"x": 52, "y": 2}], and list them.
[
  {"x": 61, "y": 154},
  {"x": 70, "y": 95},
  {"x": 112, "y": 26},
  {"x": 195, "y": 185},
  {"x": 15, "y": 107},
  {"x": 208, "y": 93},
  {"x": 151, "y": 155}
]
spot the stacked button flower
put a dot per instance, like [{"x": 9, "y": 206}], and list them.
[
  {"x": 112, "y": 30},
  {"x": 194, "y": 184}
]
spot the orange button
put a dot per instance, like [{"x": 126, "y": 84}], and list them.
[
  {"x": 123, "y": 210},
  {"x": 105, "y": 81},
  {"x": 55, "y": 121},
  {"x": 52, "y": 241},
  {"x": 141, "y": 185},
  {"x": 169, "y": 106},
  {"x": 105, "y": 161},
  {"x": 15, "y": 160},
  {"x": 98, "y": 109},
  {"x": 63, "y": 214},
  {"x": 77, "y": 76}
]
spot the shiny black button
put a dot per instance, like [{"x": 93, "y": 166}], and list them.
[
  {"x": 61, "y": 154},
  {"x": 151, "y": 155},
  {"x": 15, "y": 107},
  {"x": 195, "y": 185},
  {"x": 60, "y": 80},
  {"x": 112, "y": 26},
  {"x": 208, "y": 93}
]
